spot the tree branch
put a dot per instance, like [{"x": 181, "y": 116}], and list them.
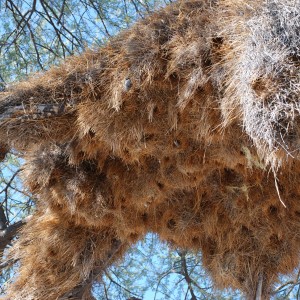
[
  {"x": 10, "y": 232},
  {"x": 185, "y": 273},
  {"x": 258, "y": 295},
  {"x": 82, "y": 291}
]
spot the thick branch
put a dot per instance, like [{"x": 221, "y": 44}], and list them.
[
  {"x": 185, "y": 273},
  {"x": 258, "y": 295},
  {"x": 7, "y": 234},
  {"x": 3, "y": 219},
  {"x": 10, "y": 108},
  {"x": 82, "y": 291}
]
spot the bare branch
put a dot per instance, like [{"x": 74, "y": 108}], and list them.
[
  {"x": 185, "y": 273},
  {"x": 10, "y": 232},
  {"x": 258, "y": 295},
  {"x": 83, "y": 290}
]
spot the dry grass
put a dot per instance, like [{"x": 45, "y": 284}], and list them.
[{"x": 185, "y": 151}]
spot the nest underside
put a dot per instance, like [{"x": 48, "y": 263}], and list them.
[{"x": 173, "y": 128}]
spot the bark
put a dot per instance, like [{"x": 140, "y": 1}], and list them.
[
  {"x": 83, "y": 291},
  {"x": 8, "y": 233},
  {"x": 258, "y": 295}
]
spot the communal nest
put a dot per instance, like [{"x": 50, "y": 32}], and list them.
[{"x": 186, "y": 125}]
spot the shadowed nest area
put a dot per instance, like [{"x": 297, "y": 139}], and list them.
[{"x": 185, "y": 125}]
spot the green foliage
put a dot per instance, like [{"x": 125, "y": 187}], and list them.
[
  {"x": 35, "y": 35},
  {"x": 152, "y": 270}
]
